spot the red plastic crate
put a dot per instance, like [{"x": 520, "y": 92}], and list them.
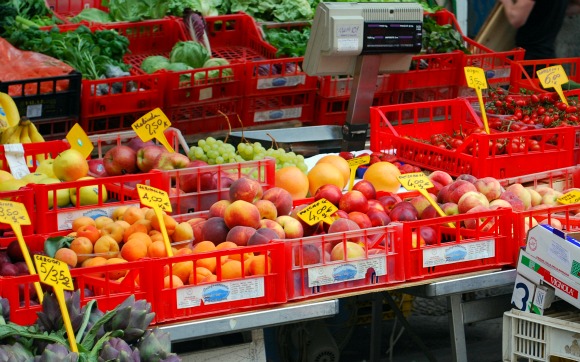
[
  {"x": 200, "y": 117},
  {"x": 279, "y": 107},
  {"x": 120, "y": 190},
  {"x": 224, "y": 296},
  {"x": 48, "y": 149},
  {"x": 310, "y": 273},
  {"x": 66, "y": 9},
  {"x": 55, "y": 128},
  {"x": 111, "y": 123},
  {"x": 523, "y": 73},
  {"x": 487, "y": 244},
  {"x": 397, "y": 128},
  {"x": 211, "y": 188},
  {"x": 93, "y": 282},
  {"x": 333, "y": 110}
]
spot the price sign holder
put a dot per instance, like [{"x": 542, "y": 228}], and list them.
[
  {"x": 476, "y": 79},
  {"x": 78, "y": 140},
  {"x": 15, "y": 214},
  {"x": 354, "y": 163},
  {"x": 158, "y": 200},
  {"x": 420, "y": 182},
  {"x": 153, "y": 126},
  {"x": 318, "y": 211},
  {"x": 553, "y": 77},
  {"x": 57, "y": 274},
  {"x": 571, "y": 197}
]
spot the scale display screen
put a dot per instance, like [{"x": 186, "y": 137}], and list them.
[{"x": 391, "y": 37}]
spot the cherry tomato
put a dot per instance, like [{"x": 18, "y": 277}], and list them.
[
  {"x": 571, "y": 109},
  {"x": 535, "y": 98}
]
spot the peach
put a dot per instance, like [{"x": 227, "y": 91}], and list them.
[
  {"x": 271, "y": 224},
  {"x": 243, "y": 213},
  {"x": 245, "y": 189},
  {"x": 218, "y": 208},
  {"x": 484, "y": 223},
  {"x": 516, "y": 203},
  {"x": 267, "y": 209},
  {"x": 281, "y": 198},
  {"x": 488, "y": 186},
  {"x": 292, "y": 227},
  {"x": 241, "y": 234},
  {"x": 535, "y": 197},
  {"x": 82, "y": 246},
  {"x": 421, "y": 202},
  {"x": 262, "y": 236},
  {"x": 471, "y": 199},
  {"x": 522, "y": 193},
  {"x": 213, "y": 229},
  {"x": 67, "y": 255},
  {"x": 347, "y": 251},
  {"x": 82, "y": 220},
  {"x": 458, "y": 189},
  {"x": 107, "y": 246},
  {"x": 311, "y": 254}
]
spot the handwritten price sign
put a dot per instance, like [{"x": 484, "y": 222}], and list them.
[
  {"x": 153, "y": 126},
  {"x": 475, "y": 78},
  {"x": 572, "y": 197},
  {"x": 13, "y": 213},
  {"x": 553, "y": 77},
  {"x": 159, "y": 202},
  {"x": 415, "y": 181},
  {"x": 318, "y": 211},
  {"x": 354, "y": 163}
]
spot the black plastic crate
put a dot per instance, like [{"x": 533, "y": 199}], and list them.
[{"x": 46, "y": 98}]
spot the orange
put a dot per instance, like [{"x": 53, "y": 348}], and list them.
[
  {"x": 324, "y": 173},
  {"x": 293, "y": 180},
  {"x": 383, "y": 175},
  {"x": 232, "y": 269},
  {"x": 82, "y": 220},
  {"x": 134, "y": 249},
  {"x": 339, "y": 163}
]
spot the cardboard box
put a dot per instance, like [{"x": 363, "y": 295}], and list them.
[
  {"x": 539, "y": 273},
  {"x": 523, "y": 294},
  {"x": 543, "y": 298},
  {"x": 558, "y": 250}
]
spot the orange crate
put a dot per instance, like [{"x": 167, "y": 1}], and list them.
[
  {"x": 279, "y": 107},
  {"x": 120, "y": 191},
  {"x": 400, "y": 128},
  {"x": 228, "y": 294},
  {"x": 208, "y": 187},
  {"x": 487, "y": 244},
  {"x": 94, "y": 283},
  {"x": 523, "y": 73},
  {"x": 311, "y": 273}
]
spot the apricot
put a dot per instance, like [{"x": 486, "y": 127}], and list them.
[
  {"x": 199, "y": 274},
  {"x": 82, "y": 220},
  {"x": 132, "y": 214},
  {"x": 157, "y": 249},
  {"x": 66, "y": 255},
  {"x": 116, "y": 272},
  {"x": 82, "y": 246},
  {"x": 89, "y": 231},
  {"x": 134, "y": 249},
  {"x": 172, "y": 281},
  {"x": 107, "y": 246},
  {"x": 183, "y": 270},
  {"x": 231, "y": 269}
]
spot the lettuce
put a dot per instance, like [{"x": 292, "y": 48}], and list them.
[
  {"x": 274, "y": 10},
  {"x": 154, "y": 63},
  {"x": 92, "y": 15},
  {"x": 137, "y": 10},
  {"x": 189, "y": 52}
]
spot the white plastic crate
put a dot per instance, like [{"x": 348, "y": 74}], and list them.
[{"x": 531, "y": 337}]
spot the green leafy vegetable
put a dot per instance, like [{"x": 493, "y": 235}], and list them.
[
  {"x": 51, "y": 245},
  {"x": 290, "y": 43},
  {"x": 92, "y": 15},
  {"x": 205, "y": 7},
  {"x": 274, "y": 10},
  {"x": 441, "y": 38},
  {"x": 22, "y": 14},
  {"x": 189, "y": 52},
  {"x": 154, "y": 63},
  {"x": 137, "y": 10}
]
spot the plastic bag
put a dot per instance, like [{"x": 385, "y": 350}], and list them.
[{"x": 21, "y": 65}]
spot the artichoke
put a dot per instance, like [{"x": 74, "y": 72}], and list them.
[
  {"x": 50, "y": 319},
  {"x": 116, "y": 349},
  {"x": 57, "y": 352},
  {"x": 132, "y": 317},
  {"x": 14, "y": 353},
  {"x": 155, "y": 346}
]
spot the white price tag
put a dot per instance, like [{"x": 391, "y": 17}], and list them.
[{"x": 14, "y": 154}]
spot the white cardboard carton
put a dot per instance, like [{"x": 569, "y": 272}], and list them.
[
  {"x": 556, "y": 249},
  {"x": 539, "y": 273},
  {"x": 523, "y": 294}
]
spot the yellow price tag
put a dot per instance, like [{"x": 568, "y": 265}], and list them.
[
  {"x": 79, "y": 140},
  {"x": 553, "y": 77},
  {"x": 354, "y": 163},
  {"x": 152, "y": 126},
  {"x": 475, "y": 78},
  {"x": 571, "y": 197},
  {"x": 418, "y": 181},
  {"x": 158, "y": 200},
  {"x": 57, "y": 274},
  {"x": 319, "y": 210}
]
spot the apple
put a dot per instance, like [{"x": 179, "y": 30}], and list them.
[
  {"x": 45, "y": 167},
  {"x": 281, "y": 198},
  {"x": 458, "y": 189},
  {"x": 378, "y": 217},
  {"x": 96, "y": 167},
  {"x": 292, "y": 227},
  {"x": 362, "y": 219},
  {"x": 353, "y": 201},
  {"x": 330, "y": 192},
  {"x": 188, "y": 179},
  {"x": 218, "y": 208},
  {"x": 471, "y": 199},
  {"x": 70, "y": 165},
  {"x": 243, "y": 213},
  {"x": 262, "y": 236},
  {"x": 246, "y": 189},
  {"x": 33, "y": 178},
  {"x": 272, "y": 224},
  {"x": 240, "y": 235},
  {"x": 389, "y": 201},
  {"x": 375, "y": 204},
  {"x": 522, "y": 193},
  {"x": 267, "y": 209},
  {"x": 137, "y": 143},
  {"x": 120, "y": 160},
  {"x": 62, "y": 195},
  {"x": 88, "y": 195},
  {"x": 404, "y": 211},
  {"x": 147, "y": 155},
  {"x": 171, "y": 161},
  {"x": 367, "y": 189},
  {"x": 488, "y": 186},
  {"x": 429, "y": 235},
  {"x": 213, "y": 229},
  {"x": 347, "y": 251}
]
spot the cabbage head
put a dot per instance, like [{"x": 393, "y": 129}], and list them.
[
  {"x": 178, "y": 67},
  {"x": 92, "y": 15},
  {"x": 189, "y": 52},
  {"x": 218, "y": 62},
  {"x": 154, "y": 63}
]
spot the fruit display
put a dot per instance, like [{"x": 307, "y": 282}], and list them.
[
  {"x": 121, "y": 334},
  {"x": 9, "y": 116}
]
